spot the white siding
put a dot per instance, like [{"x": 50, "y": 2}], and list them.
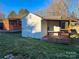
[
  {"x": 35, "y": 21},
  {"x": 44, "y": 28},
  {"x": 31, "y": 26}
]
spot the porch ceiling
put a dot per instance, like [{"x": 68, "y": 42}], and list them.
[
  {"x": 59, "y": 19},
  {"x": 55, "y": 19}
]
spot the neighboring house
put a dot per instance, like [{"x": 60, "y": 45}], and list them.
[
  {"x": 12, "y": 24},
  {"x": 47, "y": 26}
]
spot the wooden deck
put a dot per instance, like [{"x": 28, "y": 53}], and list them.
[{"x": 63, "y": 37}]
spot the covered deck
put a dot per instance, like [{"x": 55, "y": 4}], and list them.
[{"x": 59, "y": 29}]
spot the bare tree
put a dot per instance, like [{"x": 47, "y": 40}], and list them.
[
  {"x": 73, "y": 15},
  {"x": 56, "y": 8},
  {"x": 78, "y": 4},
  {"x": 61, "y": 8},
  {"x": 2, "y": 16},
  {"x": 12, "y": 15},
  {"x": 77, "y": 9},
  {"x": 23, "y": 12}
]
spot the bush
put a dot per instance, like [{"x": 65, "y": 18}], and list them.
[{"x": 75, "y": 36}]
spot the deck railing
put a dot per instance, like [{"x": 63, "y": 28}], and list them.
[{"x": 61, "y": 34}]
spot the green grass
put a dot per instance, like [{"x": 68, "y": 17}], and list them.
[{"x": 35, "y": 48}]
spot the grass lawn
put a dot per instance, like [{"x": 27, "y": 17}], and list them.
[{"x": 31, "y": 48}]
